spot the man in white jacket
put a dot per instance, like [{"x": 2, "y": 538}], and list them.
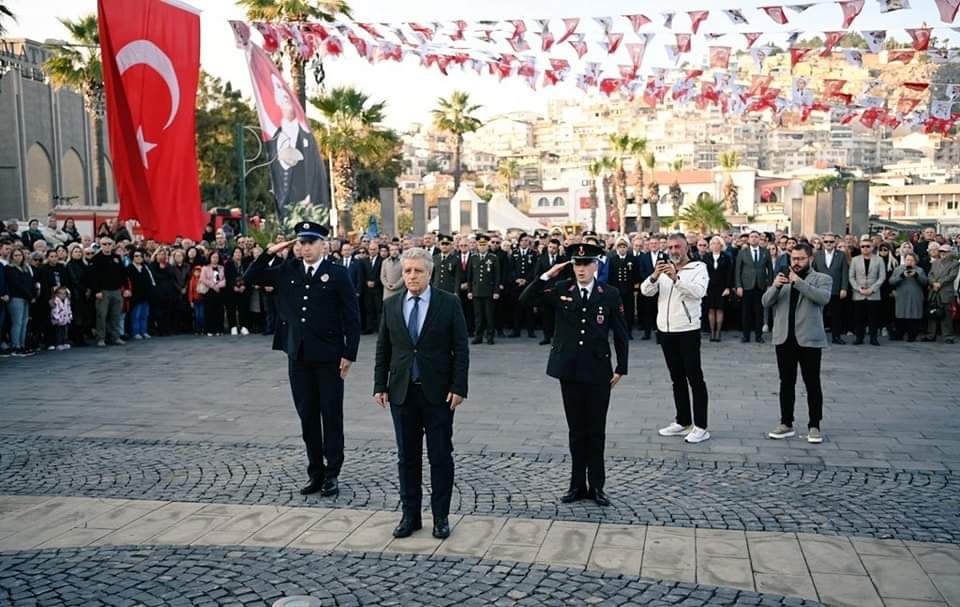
[{"x": 680, "y": 284}]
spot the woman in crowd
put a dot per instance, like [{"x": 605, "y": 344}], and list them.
[
  {"x": 905, "y": 248},
  {"x": 236, "y": 296},
  {"x": 22, "y": 286},
  {"x": 193, "y": 257},
  {"x": 141, "y": 289},
  {"x": 180, "y": 272},
  {"x": 213, "y": 278},
  {"x": 720, "y": 271},
  {"x": 257, "y": 301},
  {"x": 63, "y": 256},
  {"x": 77, "y": 280},
  {"x": 909, "y": 282},
  {"x": 887, "y": 312},
  {"x": 165, "y": 294},
  {"x": 70, "y": 229}
]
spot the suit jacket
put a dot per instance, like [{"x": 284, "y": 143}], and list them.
[
  {"x": 391, "y": 275},
  {"x": 814, "y": 293},
  {"x": 839, "y": 270},
  {"x": 446, "y": 273},
  {"x": 748, "y": 275},
  {"x": 580, "y": 351},
  {"x": 375, "y": 264},
  {"x": 721, "y": 277},
  {"x": 357, "y": 274},
  {"x": 623, "y": 275},
  {"x": 945, "y": 272},
  {"x": 442, "y": 352},
  {"x": 860, "y": 278},
  {"x": 320, "y": 316}
]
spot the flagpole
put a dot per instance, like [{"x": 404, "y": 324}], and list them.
[{"x": 334, "y": 215}]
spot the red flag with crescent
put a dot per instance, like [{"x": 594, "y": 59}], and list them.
[{"x": 151, "y": 66}]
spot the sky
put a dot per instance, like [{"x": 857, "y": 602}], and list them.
[{"x": 411, "y": 91}]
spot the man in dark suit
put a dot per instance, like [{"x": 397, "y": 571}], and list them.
[
  {"x": 373, "y": 295},
  {"x": 547, "y": 260},
  {"x": 483, "y": 280},
  {"x": 321, "y": 336},
  {"x": 421, "y": 369},
  {"x": 523, "y": 262},
  {"x": 586, "y": 313},
  {"x": 623, "y": 275},
  {"x": 752, "y": 274},
  {"x": 446, "y": 270},
  {"x": 647, "y": 306},
  {"x": 836, "y": 265}
]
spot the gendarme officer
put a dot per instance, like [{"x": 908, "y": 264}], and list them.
[
  {"x": 586, "y": 313},
  {"x": 483, "y": 280},
  {"x": 320, "y": 336}
]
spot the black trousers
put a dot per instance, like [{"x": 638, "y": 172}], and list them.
[
  {"x": 548, "y": 316},
  {"x": 502, "y": 312},
  {"x": 585, "y": 406},
  {"x": 523, "y": 317},
  {"x": 411, "y": 420},
  {"x": 626, "y": 298},
  {"x": 835, "y": 311},
  {"x": 682, "y": 353},
  {"x": 752, "y": 310},
  {"x": 467, "y": 306},
  {"x": 789, "y": 356},
  {"x": 648, "y": 313},
  {"x": 318, "y": 395},
  {"x": 909, "y": 327},
  {"x": 372, "y": 304},
  {"x": 483, "y": 315},
  {"x": 865, "y": 313}
]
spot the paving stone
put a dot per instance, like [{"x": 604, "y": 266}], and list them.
[
  {"x": 619, "y": 560},
  {"x": 900, "y": 578},
  {"x": 474, "y": 536},
  {"x": 948, "y": 586},
  {"x": 628, "y": 537},
  {"x": 725, "y": 571},
  {"x": 568, "y": 543},
  {"x": 789, "y": 585},
  {"x": 937, "y": 558},
  {"x": 825, "y": 554},
  {"x": 720, "y": 542},
  {"x": 775, "y": 553},
  {"x": 669, "y": 549}
]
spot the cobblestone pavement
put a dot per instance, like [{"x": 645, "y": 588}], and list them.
[
  {"x": 918, "y": 506},
  {"x": 171, "y": 576},
  {"x": 880, "y": 410}
]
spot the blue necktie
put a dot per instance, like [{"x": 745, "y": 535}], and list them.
[{"x": 413, "y": 326}]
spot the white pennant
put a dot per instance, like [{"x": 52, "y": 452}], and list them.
[
  {"x": 875, "y": 39},
  {"x": 736, "y": 16}
]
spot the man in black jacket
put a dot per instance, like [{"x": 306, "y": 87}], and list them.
[
  {"x": 523, "y": 264},
  {"x": 421, "y": 369},
  {"x": 547, "y": 260},
  {"x": 446, "y": 270},
  {"x": 373, "y": 294},
  {"x": 321, "y": 335},
  {"x": 624, "y": 274},
  {"x": 586, "y": 313},
  {"x": 109, "y": 277}
]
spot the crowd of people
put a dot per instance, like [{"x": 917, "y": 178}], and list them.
[{"x": 60, "y": 289}]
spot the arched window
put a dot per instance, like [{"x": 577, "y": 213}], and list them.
[
  {"x": 543, "y": 202},
  {"x": 558, "y": 201},
  {"x": 39, "y": 181},
  {"x": 73, "y": 178},
  {"x": 704, "y": 197}
]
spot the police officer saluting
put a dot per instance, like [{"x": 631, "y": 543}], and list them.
[
  {"x": 586, "y": 312},
  {"x": 321, "y": 336}
]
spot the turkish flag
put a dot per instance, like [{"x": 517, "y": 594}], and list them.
[{"x": 151, "y": 64}]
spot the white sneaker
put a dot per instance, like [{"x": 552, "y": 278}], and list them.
[
  {"x": 233, "y": 331},
  {"x": 138, "y": 336},
  {"x": 674, "y": 429},
  {"x": 51, "y": 348},
  {"x": 697, "y": 435},
  {"x": 883, "y": 332},
  {"x": 782, "y": 431},
  {"x": 209, "y": 334},
  {"x": 244, "y": 331},
  {"x": 147, "y": 336},
  {"x": 766, "y": 329},
  {"x": 66, "y": 346}
]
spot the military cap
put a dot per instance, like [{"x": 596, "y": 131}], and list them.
[
  {"x": 555, "y": 241},
  {"x": 586, "y": 233},
  {"x": 585, "y": 253},
  {"x": 310, "y": 231},
  {"x": 483, "y": 238},
  {"x": 445, "y": 239}
]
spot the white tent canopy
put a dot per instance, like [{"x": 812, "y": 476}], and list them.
[{"x": 501, "y": 215}]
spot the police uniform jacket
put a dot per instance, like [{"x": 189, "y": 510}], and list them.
[
  {"x": 523, "y": 265},
  {"x": 320, "y": 317},
  {"x": 581, "y": 341},
  {"x": 623, "y": 274},
  {"x": 483, "y": 274},
  {"x": 446, "y": 272}
]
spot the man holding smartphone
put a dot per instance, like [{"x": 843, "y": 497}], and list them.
[{"x": 680, "y": 285}]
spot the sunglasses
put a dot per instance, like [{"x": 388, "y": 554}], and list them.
[{"x": 829, "y": 241}]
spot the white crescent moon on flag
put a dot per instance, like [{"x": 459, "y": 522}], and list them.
[{"x": 147, "y": 53}]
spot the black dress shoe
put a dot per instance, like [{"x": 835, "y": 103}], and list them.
[
  {"x": 441, "y": 528},
  {"x": 573, "y": 495},
  {"x": 759, "y": 339},
  {"x": 874, "y": 342},
  {"x": 601, "y": 498},
  {"x": 646, "y": 337},
  {"x": 330, "y": 487},
  {"x": 839, "y": 341},
  {"x": 531, "y": 334},
  {"x": 477, "y": 340},
  {"x": 858, "y": 341},
  {"x": 313, "y": 486},
  {"x": 490, "y": 340},
  {"x": 500, "y": 333},
  {"x": 515, "y": 334},
  {"x": 745, "y": 339},
  {"x": 544, "y": 342},
  {"x": 407, "y": 526}
]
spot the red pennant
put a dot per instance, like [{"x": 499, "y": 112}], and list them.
[
  {"x": 423, "y": 30},
  {"x": 696, "y": 18},
  {"x": 580, "y": 46},
  {"x": 850, "y": 8},
  {"x": 759, "y": 85},
  {"x": 871, "y": 115},
  {"x": 832, "y": 87},
  {"x": 848, "y": 117},
  {"x": 368, "y": 27},
  {"x": 571, "y": 25},
  {"x": 548, "y": 40},
  {"x": 683, "y": 43},
  {"x": 903, "y": 56},
  {"x": 358, "y": 43},
  {"x": 637, "y": 21},
  {"x": 920, "y": 37},
  {"x": 628, "y": 72},
  {"x": 518, "y": 44},
  {"x": 271, "y": 40},
  {"x": 613, "y": 42},
  {"x": 906, "y": 104},
  {"x": 636, "y": 51},
  {"x": 916, "y": 86},
  {"x": 831, "y": 40},
  {"x": 461, "y": 26},
  {"x": 776, "y": 13},
  {"x": 610, "y": 85},
  {"x": 797, "y": 55},
  {"x": 720, "y": 57},
  {"x": 948, "y": 9},
  {"x": 334, "y": 46},
  {"x": 751, "y": 38}
]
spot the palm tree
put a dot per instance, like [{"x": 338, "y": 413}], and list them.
[
  {"x": 624, "y": 145},
  {"x": 5, "y": 13},
  {"x": 596, "y": 168},
  {"x": 352, "y": 133},
  {"x": 704, "y": 216},
  {"x": 295, "y": 11},
  {"x": 649, "y": 160},
  {"x": 76, "y": 65},
  {"x": 675, "y": 193},
  {"x": 508, "y": 171},
  {"x": 455, "y": 116},
  {"x": 729, "y": 161}
]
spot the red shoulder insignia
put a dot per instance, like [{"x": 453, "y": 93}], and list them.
[{"x": 599, "y": 288}]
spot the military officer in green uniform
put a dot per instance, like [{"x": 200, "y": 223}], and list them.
[
  {"x": 586, "y": 313},
  {"x": 483, "y": 280},
  {"x": 446, "y": 267}
]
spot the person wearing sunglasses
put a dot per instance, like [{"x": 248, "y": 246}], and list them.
[{"x": 834, "y": 263}]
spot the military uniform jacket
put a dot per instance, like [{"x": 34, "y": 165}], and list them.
[
  {"x": 483, "y": 274},
  {"x": 320, "y": 318},
  {"x": 523, "y": 266},
  {"x": 446, "y": 272},
  {"x": 623, "y": 274},
  {"x": 581, "y": 341}
]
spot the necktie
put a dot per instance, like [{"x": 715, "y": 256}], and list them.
[
  {"x": 413, "y": 326},
  {"x": 584, "y": 294},
  {"x": 756, "y": 255},
  {"x": 309, "y": 272}
]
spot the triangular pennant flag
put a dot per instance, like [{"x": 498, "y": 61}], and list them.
[
  {"x": 668, "y": 19},
  {"x": 636, "y": 51},
  {"x": 627, "y": 72},
  {"x": 799, "y": 8},
  {"x": 920, "y": 37},
  {"x": 759, "y": 85},
  {"x": 797, "y": 55},
  {"x": 457, "y": 34},
  {"x": 519, "y": 26},
  {"x": 673, "y": 53},
  {"x": 948, "y": 9},
  {"x": 613, "y": 42},
  {"x": 580, "y": 46},
  {"x": 832, "y": 87},
  {"x": 776, "y": 13},
  {"x": 605, "y": 22},
  {"x": 917, "y": 86},
  {"x": 736, "y": 16},
  {"x": 751, "y": 37},
  {"x": 637, "y": 21},
  {"x": 547, "y": 40},
  {"x": 793, "y": 37},
  {"x": 610, "y": 85},
  {"x": 720, "y": 57},
  {"x": 696, "y": 18},
  {"x": 874, "y": 39},
  {"x": 423, "y": 30},
  {"x": 759, "y": 54},
  {"x": 853, "y": 57},
  {"x": 571, "y": 25},
  {"x": 850, "y": 8},
  {"x": 888, "y": 6},
  {"x": 906, "y": 104},
  {"x": 370, "y": 29},
  {"x": 683, "y": 42},
  {"x": 902, "y": 56},
  {"x": 271, "y": 38},
  {"x": 831, "y": 40},
  {"x": 941, "y": 109}
]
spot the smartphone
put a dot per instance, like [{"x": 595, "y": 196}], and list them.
[{"x": 663, "y": 258}]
